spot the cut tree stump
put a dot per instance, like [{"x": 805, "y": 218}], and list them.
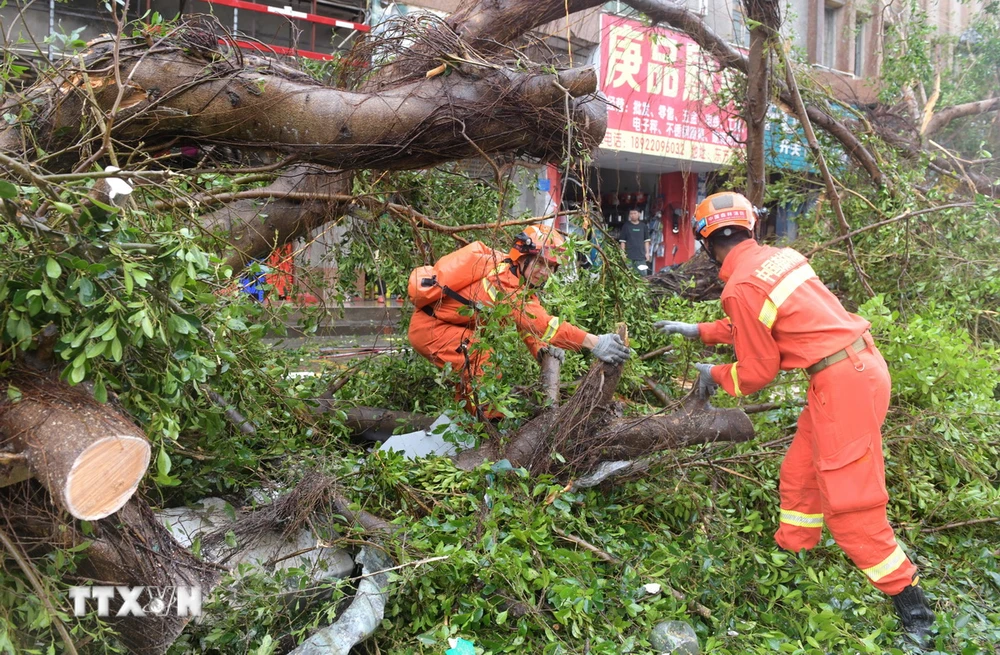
[{"x": 87, "y": 455}]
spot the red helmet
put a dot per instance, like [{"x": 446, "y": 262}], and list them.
[
  {"x": 721, "y": 210},
  {"x": 538, "y": 239}
]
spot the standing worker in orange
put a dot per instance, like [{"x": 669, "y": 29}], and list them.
[
  {"x": 782, "y": 317},
  {"x": 477, "y": 277}
]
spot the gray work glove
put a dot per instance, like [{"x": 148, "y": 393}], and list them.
[
  {"x": 686, "y": 330},
  {"x": 553, "y": 352},
  {"x": 705, "y": 385},
  {"x": 610, "y": 349}
]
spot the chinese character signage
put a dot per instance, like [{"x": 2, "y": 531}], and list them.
[
  {"x": 785, "y": 143},
  {"x": 660, "y": 87}
]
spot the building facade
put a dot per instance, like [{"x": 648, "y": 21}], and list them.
[{"x": 666, "y": 136}]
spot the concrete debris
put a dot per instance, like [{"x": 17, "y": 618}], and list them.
[
  {"x": 270, "y": 550},
  {"x": 425, "y": 443}
]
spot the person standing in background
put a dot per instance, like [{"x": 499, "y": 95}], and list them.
[{"x": 633, "y": 237}]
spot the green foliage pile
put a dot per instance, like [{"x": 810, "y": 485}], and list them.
[{"x": 147, "y": 313}]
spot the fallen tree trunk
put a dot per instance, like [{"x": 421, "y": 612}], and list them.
[
  {"x": 186, "y": 83},
  {"x": 588, "y": 431},
  {"x": 87, "y": 455},
  {"x": 376, "y": 422}
]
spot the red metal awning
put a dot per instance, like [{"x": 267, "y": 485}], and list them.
[{"x": 291, "y": 13}]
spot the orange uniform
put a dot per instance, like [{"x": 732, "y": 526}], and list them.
[
  {"x": 439, "y": 335},
  {"x": 782, "y": 317}
]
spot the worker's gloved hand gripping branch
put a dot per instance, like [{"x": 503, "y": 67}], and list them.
[{"x": 611, "y": 349}]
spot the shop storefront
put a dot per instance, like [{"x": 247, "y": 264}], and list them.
[{"x": 665, "y": 132}]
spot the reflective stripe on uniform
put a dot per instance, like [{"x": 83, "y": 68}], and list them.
[
  {"x": 550, "y": 331},
  {"x": 886, "y": 566},
  {"x": 736, "y": 383},
  {"x": 779, "y": 294},
  {"x": 768, "y": 313},
  {"x": 491, "y": 290},
  {"x": 801, "y": 520}
]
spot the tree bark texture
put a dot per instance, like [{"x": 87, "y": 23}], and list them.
[
  {"x": 87, "y": 455},
  {"x": 764, "y": 19},
  {"x": 130, "y": 548},
  {"x": 550, "y": 367},
  {"x": 253, "y": 228},
  {"x": 944, "y": 117},
  {"x": 588, "y": 430},
  {"x": 167, "y": 91}
]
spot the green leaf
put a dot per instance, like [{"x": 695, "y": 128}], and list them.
[
  {"x": 7, "y": 190},
  {"x": 76, "y": 374},
  {"x": 102, "y": 329},
  {"x": 108, "y": 208},
  {"x": 96, "y": 349},
  {"x": 116, "y": 350},
  {"x": 13, "y": 393},
  {"x": 147, "y": 327},
  {"x": 23, "y": 331},
  {"x": 78, "y": 339},
  {"x": 100, "y": 392},
  {"x": 179, "y": 325},
  {"x": 52, "y": 268},
  {"x": 178, "y": 281},
  {"x": 63, "y": 208},
  {"x": 141, "y": 277},
  {"x": 163, "y": 463}
]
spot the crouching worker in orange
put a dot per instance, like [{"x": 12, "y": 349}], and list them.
[
  {"x": 444, "y": 331},
  {"x": 782, "y": 317}
]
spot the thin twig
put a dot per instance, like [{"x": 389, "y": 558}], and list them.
[
  {"x": 12, "y": 458},
  {"x": 419, "y": 562},
  {"x": 888, "y": 221},
  {"x": 239, "y": 421},
  {"x": 959, "y": 524},
  {"x": 766, "y": 407},
  {"x": 399, "y": 210},
  {"x": 586, "y": 545},
  {"x": 655, "y": 353},
  {"x": 29, "y": 572},
  {"x": 730, "y": 471},
  {"x": 651, "y": 384}
]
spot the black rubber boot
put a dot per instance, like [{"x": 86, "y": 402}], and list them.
[{"x": 914, "y": 613}]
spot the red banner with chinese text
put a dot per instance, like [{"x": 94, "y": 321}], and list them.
[{"x": 660, "y": 86}]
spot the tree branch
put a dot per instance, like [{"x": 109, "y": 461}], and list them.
[
  {"x": 888, "y": 221},
  {"x": 831, "y": 188},
  {"x": 943, "y": 118}
]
